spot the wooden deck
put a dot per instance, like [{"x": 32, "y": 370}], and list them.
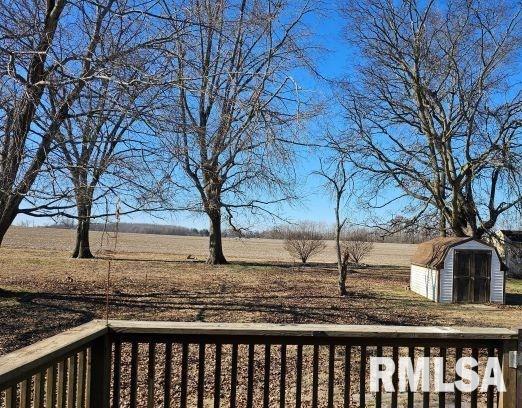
[{"x": 192, "y": 364}]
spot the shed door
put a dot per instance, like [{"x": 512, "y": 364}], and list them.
[{"x": 471, "y": 276}]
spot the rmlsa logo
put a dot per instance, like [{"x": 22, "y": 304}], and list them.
[{"x": 410, "y": 377}]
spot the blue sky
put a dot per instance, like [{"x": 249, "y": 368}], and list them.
[
  {"x": 334, "y": 62},
  {"x": 316, "y": 205},
  {"x": 337, "y": 60}
]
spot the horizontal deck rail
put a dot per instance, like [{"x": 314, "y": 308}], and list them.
[{"x": 196, "y": 364}]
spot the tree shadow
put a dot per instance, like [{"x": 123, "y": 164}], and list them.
[{"x": 513, "y": 298}]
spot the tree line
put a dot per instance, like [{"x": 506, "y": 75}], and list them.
[{"x": 118, "y": 106}]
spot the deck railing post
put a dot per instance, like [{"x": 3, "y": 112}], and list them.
[
  {"x": 519, "y": 369},
  {"x": 100, "y": 374},
  {"x": 512, "y": 373}
]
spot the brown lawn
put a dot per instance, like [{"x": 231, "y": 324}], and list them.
[{"x": 43, "y": 291}]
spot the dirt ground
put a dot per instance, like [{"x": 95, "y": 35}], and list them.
[{"x": 43, "y": 291}]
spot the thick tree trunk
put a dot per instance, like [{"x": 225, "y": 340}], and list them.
[
  {"x": 7, "y": 215},
  {"x": 3, "y": 230},
  {"x": 82, "y": 248},
  {"x": 215, "y": 256}
]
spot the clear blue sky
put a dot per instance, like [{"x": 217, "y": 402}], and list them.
[
  {"x": 316, "y": 205},
  {"x": 334, "y": 62}
]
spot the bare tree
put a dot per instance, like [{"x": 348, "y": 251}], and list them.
[
  {"x": 304, "y": 240},
  {"x": 356, "y": 245},
  {"x": 437, "y": 109},
  {"x": 338, "y": 183},
  {"x": 236, "y": 108},
  {"x": 103, "y": 146},
  {"x": 50, "y": 52}
]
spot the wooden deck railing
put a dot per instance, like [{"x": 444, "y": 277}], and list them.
[{"x": 169, "y": 364}]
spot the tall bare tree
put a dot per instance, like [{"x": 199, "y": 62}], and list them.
[
  {"x": 338, "y": 182},
  {"x": 50, "y": 52},
  {"x": 105, "y": 147},
  {"x": 235, "y": 107},
  {"x": 437, "y": 107}
]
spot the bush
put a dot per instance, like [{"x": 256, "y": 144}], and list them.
[
  {"x": 304, "y": 240},
  {"x": 356, "y": 246}
]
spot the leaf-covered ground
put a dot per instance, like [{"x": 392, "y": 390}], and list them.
[{"x": 44, "y": 292}]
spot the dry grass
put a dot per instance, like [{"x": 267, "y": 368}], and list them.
[
  {"x": 43, "y": 291},
  {"x": 178, "y": 248}
]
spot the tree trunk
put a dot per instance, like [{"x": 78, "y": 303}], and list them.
[
  {"x": 4, "y": 226},
  {"x": 442, "y": 224},
  {"x": 215, "y": 256},
  {"x": 340, "y": 264},
  {"x": 82, "y": 249},
  {"x": 7, "y": 215},
  {"x": 342, "y": 282}
]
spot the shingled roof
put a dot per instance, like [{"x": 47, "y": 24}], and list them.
[{"x": 431, "y": 253}]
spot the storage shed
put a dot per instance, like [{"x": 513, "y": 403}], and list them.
[{"x": 458, "y": 269}]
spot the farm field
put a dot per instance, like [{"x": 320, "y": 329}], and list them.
[
  {"x": 43, "y": 291},
  {"x": 179, "y": 247}
]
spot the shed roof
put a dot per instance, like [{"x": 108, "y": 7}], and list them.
[{"x": 431, "y": 253}]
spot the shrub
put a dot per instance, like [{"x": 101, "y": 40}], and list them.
[{"x": 304, "y": 240}]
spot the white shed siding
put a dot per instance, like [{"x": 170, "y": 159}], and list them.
[
  {"x": 424, "y": 281},
  {"x": 497, "y": 276}
]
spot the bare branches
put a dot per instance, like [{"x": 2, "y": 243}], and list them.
[
  {"x": 433, "y": 110},
  {"x": 304, "y": 240},
  {"x": 356, "y": 245},
  {"x": 234, "y": 106},
  {"x": 54, "y": 56}
]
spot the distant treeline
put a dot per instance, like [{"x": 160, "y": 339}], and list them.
[
  {"x": 276, "y": 232},
  {"x": 137, "y": 228}
]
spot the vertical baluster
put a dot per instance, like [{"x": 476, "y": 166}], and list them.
[
  {"x": 134, "y": 375},
  {"x": 395, "y": 377},
  {"x": 347, "y": 373},
  {"x": 117, "y": 374},
  {"x": 298, "y": 375},
  {"x": 282, "y": 379},
  {"x": 490, "y": 394},
  {"x": 315, "y": 377},
  {"x": 442, "y": 395},
  {"x": 458, "y": 395},
  {"x": 426, "y": 395},
  {"x": 362, "y": 378},
  {"x": 233, "y": 376},
  {"x": 184, "y": 372},
  {"x": 168, "y": 375},
  {"x": 80, "y": 392},
  {"x": 266, "y": 385},
  {"x": 151, "y": 375},
  {"x": 25, "y": 394},
  {"x": 10, "y": 397},
  {"x": 474, "y": 393},
  {"x": 88, "y": 375},
  {"x": 411, "y": 395},
  {"x": 71, "y": 381},
  {"x": 331, "y": 375},
  {"x": 39, "y": 390},
  {"x": 49, "y": 390},
  {"x": 217, "y": 377},
  {"x": 378, "y": 395},
  {"x": 201, "y": 375},
  {"x": 61, "y": 388},
  {"x": 250, "y": 379}
]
